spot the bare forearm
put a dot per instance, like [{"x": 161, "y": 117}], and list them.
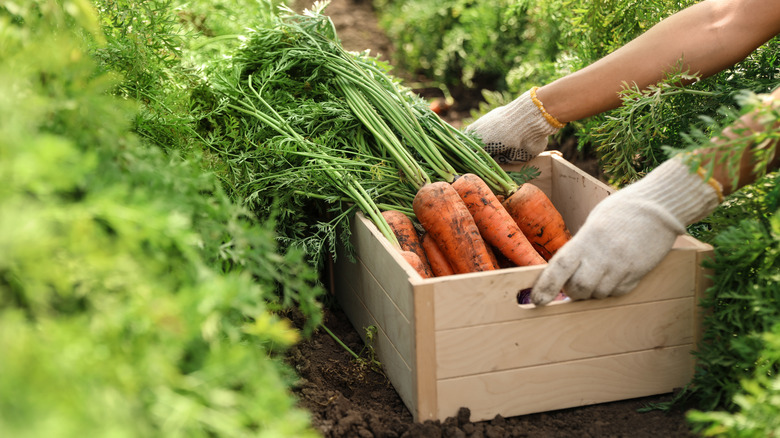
[{"x": 708, "y": 37}]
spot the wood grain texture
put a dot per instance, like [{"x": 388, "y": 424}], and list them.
[
  {"x": 487, "y": 298},
  {"x": 384, "y": 263},
  {"x": 398, "y": 370},
  {"x": 567, "y": 384},
  {"x": 356, "y": 280},
  {"x": 425, "y": 355},
  {"x": 565, "y": 337}
]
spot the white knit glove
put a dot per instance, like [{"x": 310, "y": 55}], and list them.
[
  {"x": 628, "y": 234},
  {"x": 517, "y": 131}
]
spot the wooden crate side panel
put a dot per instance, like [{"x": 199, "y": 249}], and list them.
[
  {"x": 569, "y": 384},
  {"x": 487, "y": 298},
  {"x": 575, "y": 193},
  {"x": 377, "y": 299},
  {"x": 384, "y": 263},
  {"x": 561, "y": 338},
  {"x": 398, "y": 369}
]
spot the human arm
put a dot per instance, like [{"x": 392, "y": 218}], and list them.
[{"x": 707, "y": 37}]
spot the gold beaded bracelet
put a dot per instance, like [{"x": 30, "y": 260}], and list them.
[
  {"x": 712, "y": 182},
  {"x": 550, "y": 119}
]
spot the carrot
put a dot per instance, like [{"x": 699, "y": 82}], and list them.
[
  {"x": 500, "y": 260},
  {"x": 443, "y": 214},
  {"x": 413, "y": 259},
  {"x": 404, "y": 230},
  {"x": 494, "y": 223},
  {"x": 492, "y": 254},
  {"x": 540, "y": 221},
  {"x": 440, "y": 266},
  {"x": 439, "y": 106}
]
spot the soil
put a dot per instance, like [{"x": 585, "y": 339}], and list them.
[{"x": 351, "y": 398}]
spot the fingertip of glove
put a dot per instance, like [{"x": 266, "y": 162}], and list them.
[{"x": 542, "y": 296}]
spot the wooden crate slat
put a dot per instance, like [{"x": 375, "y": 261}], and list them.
[
  {"x": 385, "y": 263},
  {"x": 491, "y": 297},
  {"x": 425, "y": 355},
  {"x": 569, "y": 384},
  {"x": 560, "y": 338},
  {"x": 575, "y": 192},
  {"x": 398, "y": 370},
  {"x": 376, "y": 298}
]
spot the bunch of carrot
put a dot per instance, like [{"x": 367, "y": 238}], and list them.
[{"x": 466, "y": 228}]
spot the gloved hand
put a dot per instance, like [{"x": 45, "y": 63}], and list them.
[
  {"x": 517, "y": 131},
  {"x": 628, "y": 234}
]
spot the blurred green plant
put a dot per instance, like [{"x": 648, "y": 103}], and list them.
[
  {"x": 758, "y": 400},
  {"x": 459, "y": 43},
  {"x": 136, "y": 299}
]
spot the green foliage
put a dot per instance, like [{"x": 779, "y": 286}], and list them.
[
  {"x": 566, "y": 35},
  {"x": 541, "y": 41},
  {"x": 135, "y": 298},
  {"x": 163, "y": 44},
  {"x": 162, "y": 47},
  {"x": 456, "y": 42},
  {"x": 511, "y": 46},
  {"x": 758, "y": 399}
]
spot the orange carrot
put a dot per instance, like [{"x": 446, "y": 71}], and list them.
[
  {"x": 443, "y": 214},
  {"x": 414, "y": 260},
  {"x": 406, "y": 233},
  {"x": 540, "y": 221},
  {"x": 439, "y": 106},
  {"x": 440, "y": 266},
  {"x": 492, "y": 255},
  {"x": 495, "y": 224},
  {"x": 500, "y": 260}
]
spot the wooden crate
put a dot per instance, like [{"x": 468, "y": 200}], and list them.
[{"x": 464, "y": 341}]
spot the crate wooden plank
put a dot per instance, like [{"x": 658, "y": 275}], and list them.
[
  {"x": 385, "y": 263},
  {"x": 491, "y": 297},
  {"x": 375, "y": 298},
  {"x": 703, "y": 282},
  {"x": 400, "y": 372},
  {"x": 580, "y": 335},
  {"x": 575, "y": 192},
  {"x": 544, "y": 163},
  {"x": 568, "y": 384}
]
